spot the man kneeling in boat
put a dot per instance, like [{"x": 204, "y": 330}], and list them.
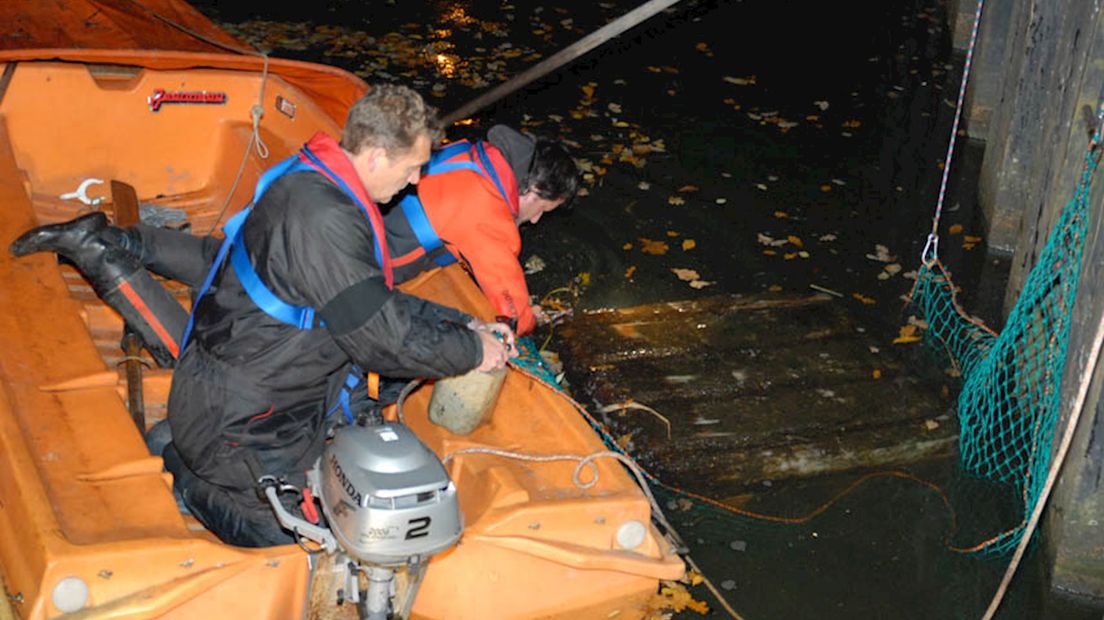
[{"x": 298, "y": 300}]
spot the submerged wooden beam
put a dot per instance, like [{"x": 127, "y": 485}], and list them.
[{"x": 754, "y": 388}]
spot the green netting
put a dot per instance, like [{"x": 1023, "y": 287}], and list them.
[
  {"x": 530, "y": 359},
  {"x": 1009, "y": 403}
]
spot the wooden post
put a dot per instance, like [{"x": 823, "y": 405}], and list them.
[{"x": 125, "y": 204}]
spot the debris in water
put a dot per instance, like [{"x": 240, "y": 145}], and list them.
[
  {"x": 676, "y": 597},
  {"x": 829, "y": 291},
  {"x": 748, "y": 81},
  {"x": 881, "y": 254},
  {"x": 534, "y": 264}
]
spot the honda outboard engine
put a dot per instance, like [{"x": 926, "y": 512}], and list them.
[{"x": 388, "y": 503}]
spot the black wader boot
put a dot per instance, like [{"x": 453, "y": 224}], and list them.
[{"x": 117, "y": 276}]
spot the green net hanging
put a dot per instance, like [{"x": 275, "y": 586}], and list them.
[{"x": 1009, "y": 403}]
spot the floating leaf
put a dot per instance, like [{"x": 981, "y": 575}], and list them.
[
  {"x": 794, "y": 239},
  {"x": 656, "y": 248},
  {"x": 627, "y": 246},
  {"x": 686, "y": 275},
  {"x": 870, "y": 301},
  {"x": 675, "y": 200},
  {"x": 672, "y": 233},
  {"x": 955, "y": 229},
  {"x": 688, "y": 244},
  {"x": 906, "y": 334},
  {"x": 630, "y": 271},
  {"x": 644, "y": 185},
  {"x": 688, "y": 188},
  {"x": 697, "y": 284}
]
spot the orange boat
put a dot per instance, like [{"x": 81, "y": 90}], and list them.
[{"x": 87, "y": 518}]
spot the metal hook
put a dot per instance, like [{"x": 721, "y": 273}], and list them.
[
  {"x": 931, "y": 251},
  {"x": 81, "y": 193}
]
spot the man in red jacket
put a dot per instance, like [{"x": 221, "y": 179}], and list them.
[{"x": 468, "y": 206}]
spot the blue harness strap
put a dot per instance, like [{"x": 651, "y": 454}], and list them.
[
  {"x": 412, "y": 206},
  {"x": 344, "y": 397},
  {"x": 301, "y": 317}
]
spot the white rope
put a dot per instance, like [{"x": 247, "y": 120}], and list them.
[
  {"x": 583, "y": 461},
  {"x": 930, "y": 253},
  {"x": 256, "y": 112}
]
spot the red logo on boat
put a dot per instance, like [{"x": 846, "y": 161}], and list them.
[{"x": 162, "y": 96}]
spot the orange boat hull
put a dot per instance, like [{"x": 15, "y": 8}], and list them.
[{"x": 82, "y": 502}]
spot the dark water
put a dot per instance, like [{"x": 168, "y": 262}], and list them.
[{"x": 797, "y": 137}]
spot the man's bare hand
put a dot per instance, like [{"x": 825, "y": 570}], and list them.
[
  {"x": 498, "y": 341},
  {"x": 495, "y": 352}
]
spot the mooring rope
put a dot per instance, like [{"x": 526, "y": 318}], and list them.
[
  {"x": 930, "y": 253},
  {"x": 256, "y": 112}
]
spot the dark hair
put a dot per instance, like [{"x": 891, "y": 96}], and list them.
[
  {"x": 553, "y": 175},
  {"x": 389, "y": 116}
]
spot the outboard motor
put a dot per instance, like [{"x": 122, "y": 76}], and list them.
[{"x": 388, "y": 503}]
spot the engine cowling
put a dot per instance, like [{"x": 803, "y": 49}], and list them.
[{"x": 386, "y": 495}]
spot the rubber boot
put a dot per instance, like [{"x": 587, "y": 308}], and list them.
[{"x": 117, "y": 277}]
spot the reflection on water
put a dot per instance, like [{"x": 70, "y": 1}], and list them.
[{"x": 447, "y": 64}]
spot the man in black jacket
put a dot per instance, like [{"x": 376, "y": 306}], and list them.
[{"x": 253, "y": 389}]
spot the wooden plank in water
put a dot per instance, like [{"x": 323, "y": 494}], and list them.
[{"x": 755, "y": 388}]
